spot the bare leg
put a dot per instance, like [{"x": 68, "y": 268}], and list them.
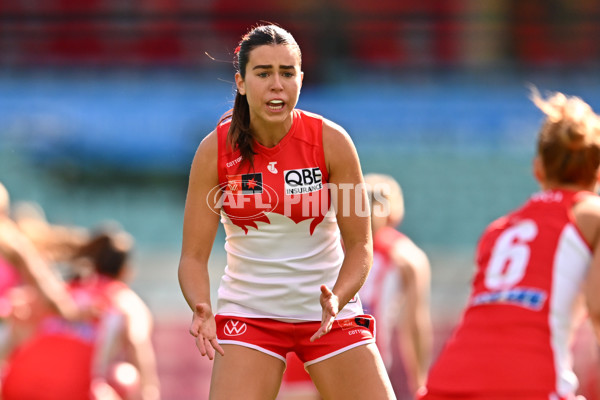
[
  {"x": 358, "y": 373},
  {"x": 245, "y": 373}
]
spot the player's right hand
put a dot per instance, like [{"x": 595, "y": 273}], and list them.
[{"x": 204, "y": 329}]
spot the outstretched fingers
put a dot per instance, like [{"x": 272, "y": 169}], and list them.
[
  {"x": 203, "y": 344},
  {"x": 215, "y": 345},
  {"x": 325, "y": 327},
  {"x": 329, "y": 305},
  {"x": 208, "y": 346},
  {"x": 203, "y": 328}
]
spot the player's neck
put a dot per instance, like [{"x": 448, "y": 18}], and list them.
[{"x": 568, "y": 186}]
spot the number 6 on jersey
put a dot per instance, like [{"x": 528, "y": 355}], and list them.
[{"x": 510, "y": 256}]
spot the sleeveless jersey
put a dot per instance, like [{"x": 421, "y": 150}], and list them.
[
  {"x": 380, "y": 292},
  {"x": 282, "y": 237},
  {"x": 514, "y": 335},
  {"x": 56, "y": 363}
]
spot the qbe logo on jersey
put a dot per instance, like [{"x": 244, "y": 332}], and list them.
[{"x": 305, "y": 180}]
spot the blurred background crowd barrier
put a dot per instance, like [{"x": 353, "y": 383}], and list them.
[{"x": 103, "y": 102}]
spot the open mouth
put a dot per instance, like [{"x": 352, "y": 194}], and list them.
[{"x": 275, "y": 105}]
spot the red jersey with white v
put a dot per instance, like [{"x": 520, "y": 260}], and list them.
[
  {"x": 513, "y": 337},
  {"x": 287, "y": 179},
  {"x": 283, "y": 240}
]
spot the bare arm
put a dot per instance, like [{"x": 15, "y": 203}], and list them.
[
  {"x": 108, "y": 343},
  {"x": 19, "y": 250},
  {"x": 587, "y": 215},
  {"x": 139, "y": 326},
  {"x": 200, "y": 224},
  {"x": 414, "y": 323},
  {"x": 347, "y": 186},
  {"x": 592, "y": 292}
]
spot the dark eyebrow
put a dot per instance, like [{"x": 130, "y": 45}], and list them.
[{"x": 268, "y": 66}]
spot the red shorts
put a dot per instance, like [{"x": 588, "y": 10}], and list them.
[{"x": 278, "y": 338}]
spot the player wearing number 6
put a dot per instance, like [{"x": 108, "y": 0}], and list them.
[{"x": 532, "y": 265}]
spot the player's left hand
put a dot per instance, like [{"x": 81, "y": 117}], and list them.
[{"x": 330, "y": 304}]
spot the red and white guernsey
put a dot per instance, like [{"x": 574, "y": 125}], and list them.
[
  {"x": 55, "y": 362},
  {"x": 282, "y": 238},
  {"x": 380, "y": 292},
  {"x": 513, "y": 339}
]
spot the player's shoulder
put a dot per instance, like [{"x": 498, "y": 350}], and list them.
[
  {"x": 129, "y": 302},
  {"x": 334, "y": 130},
  {"x": 408, "y": 247},
  {"x": 308, "y": 115},
  {"x": 405, "y": 252},
  {"x": 208, "y": 148},
  {"x": 333, "y": 133},
  {"x": 336, "y": 140},
  {"x": 210, "y": 141},
  {"x": 587, "y": 218},
  {"x": 590, "y": 205}
]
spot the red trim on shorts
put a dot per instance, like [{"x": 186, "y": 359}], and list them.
[{"x": 277, "y": 338}]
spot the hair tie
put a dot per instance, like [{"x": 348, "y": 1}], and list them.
[{"x": 237, "y": 49}]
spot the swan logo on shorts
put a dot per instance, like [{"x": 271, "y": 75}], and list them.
[{"x": 235, "y": 328}]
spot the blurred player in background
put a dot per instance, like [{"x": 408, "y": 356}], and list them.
[
  {"x": 29, "y": 288},
  {"x": 106, "y": 357},
  {"x": 26, "y": 275},
  {"x": 397, "y": 290},
  {"x": 536, "y": 269},
  {"x": 124, "y": 353},
  {"x": 10, "y": 276},
  {"x": 288, "y": 286},
  {"x": 56, "y": 243}
]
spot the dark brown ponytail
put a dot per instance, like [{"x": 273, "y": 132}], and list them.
[{"x": 239, "y": 134}]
